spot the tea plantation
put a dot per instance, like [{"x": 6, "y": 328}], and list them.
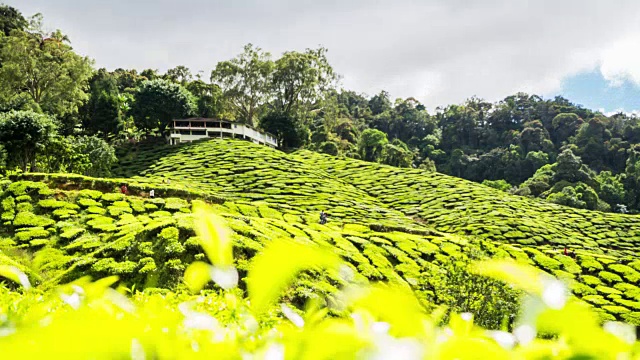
[{"x": 391, "y": 224}]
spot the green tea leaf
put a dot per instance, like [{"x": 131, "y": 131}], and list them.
[
  {"x": 13, "y": 273},
  {"x": 273, "y": 269},
  {"x": 197, "y": 276},
  {"x": 213, "y": 235}
]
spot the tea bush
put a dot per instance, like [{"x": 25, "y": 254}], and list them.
[{"x": 368, "y": 320}]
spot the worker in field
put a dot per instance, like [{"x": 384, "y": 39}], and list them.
[
  {"x": 152, "y": 193},
  {"x": 323, "y": 217}
]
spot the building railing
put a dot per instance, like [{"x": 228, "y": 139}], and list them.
[{"x": 205, "y": 128}]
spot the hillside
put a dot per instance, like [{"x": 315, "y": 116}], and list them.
[{"x": 390, "y": 224}]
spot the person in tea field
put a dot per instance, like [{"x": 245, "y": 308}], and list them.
[
  {"x": 124, "y": 189},
  {"x": 323, "y": 217},
  {"x": 152, "y": 193}
]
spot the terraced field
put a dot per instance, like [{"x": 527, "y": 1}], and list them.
[{"x": 390, "y": 224}]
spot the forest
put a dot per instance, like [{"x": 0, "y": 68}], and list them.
[{"x": 55, "y": 99}]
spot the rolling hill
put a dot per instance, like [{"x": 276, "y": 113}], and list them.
[{"x": 390, "y": 224}]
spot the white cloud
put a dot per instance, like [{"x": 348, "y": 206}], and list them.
[
  {"x": 437, "y": 51},
  {"x": 621, "y": 61}
]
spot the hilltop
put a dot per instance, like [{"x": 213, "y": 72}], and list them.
[{"x": 391, "y": 224}]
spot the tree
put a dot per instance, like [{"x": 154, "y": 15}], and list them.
[
  {"x": 329, "y": 147},
  {"x": 24, "y": 134},
  {"x": 568, "y": 197},
  {"x": 564, "y": 126},
  {"x": 501, "y": 184},
  {"x": 44, "y": 67},
  {"x": 591, "y": 140},
  {"x": 380, "y": 103},
  {"x": 611, "y": 188},
  {"x": 11, "y": 19},
  {"x": 210, "y": 101},
  {"x": 534, "y": 137},
  {"x": 103, "y": 113},
  {"x": 397, "y": 154},
  {"x": 245, "y": 82},
  {"x": 86, "y": 155},
  {"x": 179, "y": 74},
  {"x": 632, "y": 178},
  {"x": 569, "y": 168},
  {"x": 101, "y": 155},
  {"x": 157, "y": 102},
  {"x": 288, "y": 132},
  {"x": 371, "y": 145},
  {"x": 299, "y": 80}
]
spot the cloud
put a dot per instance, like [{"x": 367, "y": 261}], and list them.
[{"x": 437, "y": 51}]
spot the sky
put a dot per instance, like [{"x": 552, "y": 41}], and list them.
[{"x": 438, "y": 51}]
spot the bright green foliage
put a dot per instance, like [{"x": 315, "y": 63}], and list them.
[
  {"x": 28, "y": 219},
  {"x": 44, "y": 67},
  {"x": 24, "y": 134},
  {"x": 388, "y": 224},
  {"x": 149, "y": 324},
  {"x": 158, "y": 102}
]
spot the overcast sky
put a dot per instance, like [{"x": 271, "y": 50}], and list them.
[{"x": 440, "y": 51}]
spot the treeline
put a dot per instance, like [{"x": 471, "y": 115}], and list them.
[{"x": 59, "y": 113}]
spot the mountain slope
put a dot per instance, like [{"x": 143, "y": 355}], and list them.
[{"x": 390, "y": 224}]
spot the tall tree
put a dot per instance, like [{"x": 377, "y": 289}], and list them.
[
  {"x": 299, "y": 80},
  {"x": 11, "y": 19},
  {"x": 179, "y": 74},
  {"x": 210, "y": 102},
  {"x": 245, "y": 82},
  {"x": 157, "y": 102},
  {"x": 24, "y": 134},
  {"x": 46, "y": 68},
  {"x": 103, "y": 112},
  {"x": 372, "y": 144}
]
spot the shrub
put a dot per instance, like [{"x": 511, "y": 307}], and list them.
[
  {"x": 56, "y": 204},
  {"x": 29, "y": 234},
  {"x": 583, "y": 290},
  {"x": 23, "y": 198},
  {"x": 628, "y": 272},
  {"x": 88, "y": 202},
  {"x": 590, "y": 280},
  {"x": 596, "y": 300},
  {"x": 9, "y": 204},
  {"x": 147, "y": 265},
  {"x": 546, "y": 262},
  {"x": 96, "y": 210},
  {"x": 72, "y": 233},
  {"x": 24, "y": 207},
  {"x": 19, "y": 188},
  {"x": 175, "y": 204},
  {"x": 160, "y": 214},
  {"x": 607, "y": 290},
  {"x": 111, "y": 197},
  {"x": 90, "y": 194},
  {"x": 609, "y": 277},
  {"x": 62, "y": 214},
  {"x": 102, "y": 223},
  {"x": 29, "y": 219},
  {"x": 590, "y": 264},
  {"x": 569, "y": 265},
  {"x": 615, "y": 309}
]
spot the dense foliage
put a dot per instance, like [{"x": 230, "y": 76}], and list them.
[
  {"x": 369, "y": 321},
  {"x": 550, "y": 149},
  {"x": 229, "y": 257}
]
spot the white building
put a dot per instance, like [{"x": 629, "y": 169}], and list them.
[{"x": 188, "y": 130}]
